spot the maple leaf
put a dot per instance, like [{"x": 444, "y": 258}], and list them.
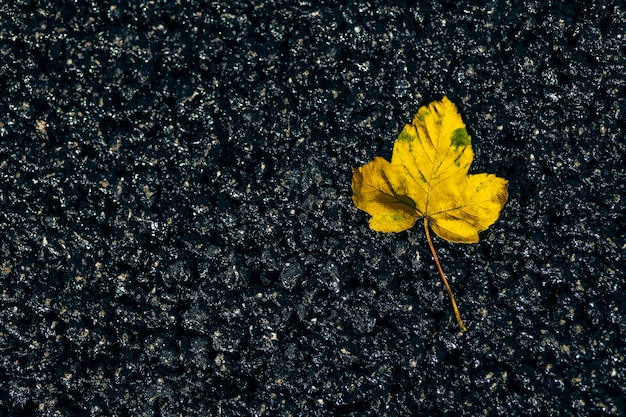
[{"x": 428, "y": 178}]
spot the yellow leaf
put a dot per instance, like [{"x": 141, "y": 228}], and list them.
[
  {"x": 428, "y": 177},
  {"x": 391, "y": 212}
]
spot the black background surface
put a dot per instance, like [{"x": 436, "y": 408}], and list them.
[{"x": 178, "y": 235}]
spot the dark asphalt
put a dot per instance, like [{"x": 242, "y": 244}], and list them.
[{"x": 178, "y": 234}]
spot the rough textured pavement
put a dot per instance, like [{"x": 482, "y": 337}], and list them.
[{"x": 178, "y": 235}]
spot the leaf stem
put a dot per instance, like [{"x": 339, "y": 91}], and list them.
[{"x": 443, "y": 277}]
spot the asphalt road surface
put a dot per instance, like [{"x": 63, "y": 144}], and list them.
[{"x": 179, "y": 236}]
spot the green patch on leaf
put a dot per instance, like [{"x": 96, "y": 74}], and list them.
[
  {"x": 460, "y": 138},
  {"x": 406, "y": 136}
]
